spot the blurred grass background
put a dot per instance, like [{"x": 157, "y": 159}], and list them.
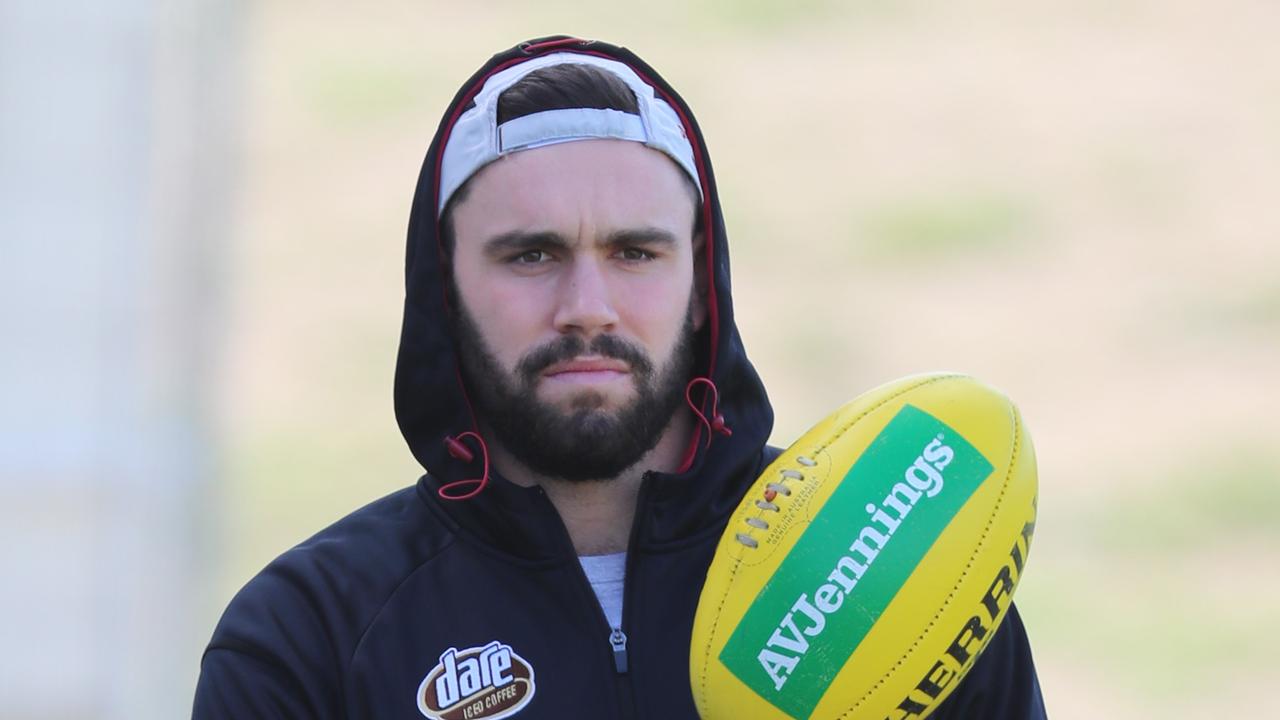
[{"x": 1075, "y": 201}]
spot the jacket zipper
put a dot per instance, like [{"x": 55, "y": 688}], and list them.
[
  {"x": 618, "y": 641},
  {"x": 616, "y": 636}
]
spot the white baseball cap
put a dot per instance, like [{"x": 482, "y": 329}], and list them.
[{"x": 477, "y": 139}]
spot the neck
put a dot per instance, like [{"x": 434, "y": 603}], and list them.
[{"x": 599, "y": 513}]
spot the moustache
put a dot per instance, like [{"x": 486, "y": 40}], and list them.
[{"x": 571, "y": 346}]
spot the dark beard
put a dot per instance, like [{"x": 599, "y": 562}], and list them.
[{"x": 587, "y": 442}]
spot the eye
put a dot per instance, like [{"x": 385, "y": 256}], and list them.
[
  {"x": 530, "y": 257},
  {"x": 635, "y": 254}
]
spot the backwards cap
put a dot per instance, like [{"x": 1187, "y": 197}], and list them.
[{"x": 477, "y": 139}]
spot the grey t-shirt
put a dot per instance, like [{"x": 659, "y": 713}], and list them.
[{"x": 606, "y": 574}]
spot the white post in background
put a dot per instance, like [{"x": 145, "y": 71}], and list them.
[{"x": 116, "y": 129}]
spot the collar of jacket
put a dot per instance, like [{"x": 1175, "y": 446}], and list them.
[{"x": 431, "y": 403}]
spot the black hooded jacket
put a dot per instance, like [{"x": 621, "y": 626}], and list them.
[{"x": 351, "y": 623}]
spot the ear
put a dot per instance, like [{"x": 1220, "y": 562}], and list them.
[{"x": 701, "y": 279}]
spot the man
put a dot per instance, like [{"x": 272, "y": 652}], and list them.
[{"x": 571, "y": 377}]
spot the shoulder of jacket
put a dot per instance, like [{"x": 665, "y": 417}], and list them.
[
  {"x": 318, "y": 597},
  {"x": 768, "y": 455}
]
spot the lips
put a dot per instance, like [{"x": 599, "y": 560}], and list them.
[{"x": 586, "y": 367}]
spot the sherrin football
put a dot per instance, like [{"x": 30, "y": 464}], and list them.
[{"x": 869, "y": 565}]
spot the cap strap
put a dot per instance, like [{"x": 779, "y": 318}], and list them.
[{"x": 555, "y": 126}]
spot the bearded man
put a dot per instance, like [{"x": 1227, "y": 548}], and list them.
[{"x": 571, "y": 377}]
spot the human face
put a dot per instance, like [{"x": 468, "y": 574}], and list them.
[{"x": 573, "y": 265}]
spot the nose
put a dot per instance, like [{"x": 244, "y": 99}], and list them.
[{"x": 585, "y": 303}]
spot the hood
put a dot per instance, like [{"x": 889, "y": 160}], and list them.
[{"x": 431, "y": 404}]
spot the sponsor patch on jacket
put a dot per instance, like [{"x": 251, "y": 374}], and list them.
[{"x": 477, "y": 683}]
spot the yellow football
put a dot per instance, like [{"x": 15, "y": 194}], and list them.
[{"x": 871, "y": 562}]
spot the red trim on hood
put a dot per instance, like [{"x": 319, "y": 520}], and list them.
[
  {"x": 708, "y": 229},
  {"x": 458, "y": 109},
  {"x": 542, "y": 47}
]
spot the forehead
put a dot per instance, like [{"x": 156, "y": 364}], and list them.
[{"x": 582, "y": 185}]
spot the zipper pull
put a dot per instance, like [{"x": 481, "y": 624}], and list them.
[{"x": 618, "y": 641}]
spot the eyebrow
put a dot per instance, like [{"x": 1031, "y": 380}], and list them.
[
  {"x": 517, "y": 241},
  {"x": 647, "y": 236}
]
